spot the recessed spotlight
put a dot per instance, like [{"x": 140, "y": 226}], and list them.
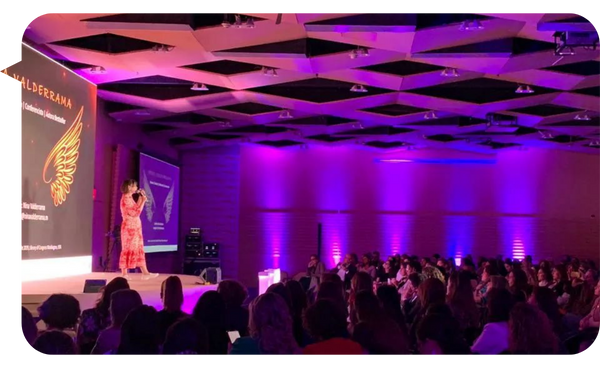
[
  {"x": 359, "y": 88},
  {"x": 524, "y": 90},
  {"x": 450, "y": 72},
  {"x": 471, "y": 25},
  {"x": 584, "y": 117},
  {"x": 269, "y": 72},
  {"x": 430, "y": 115},
  {"x": 285, "y": 114},
  {"x": 97, "y": 70},
  {"x": 142, "y": 113},
  {"x": 162, "y": 48},
  {"x": 250, "y": 23},
  {"x": 199, "y": 87}
]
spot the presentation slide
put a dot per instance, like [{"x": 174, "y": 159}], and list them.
[
  {"x": 160, "y": 218},
  {"x": 58, "y": 126}
]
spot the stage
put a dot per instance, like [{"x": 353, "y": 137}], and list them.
[{"x": 35, "y": 292}]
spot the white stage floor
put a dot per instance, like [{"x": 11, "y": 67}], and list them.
[{"x": 35, "y": 292}]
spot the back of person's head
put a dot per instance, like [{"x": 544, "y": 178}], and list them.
[
  {"x": 414, "y": 279},
  {"x": 55, "y": 342},
  {"x": 139, "y": 333},
  {"x": 416, "y": 266},
  {"x": 172, "y": 293},
  {"x": 491, "y": 269},
  {"x": 431, "y": 291},
  {"x": 210, "y": 310},
  {"x": 28, "y": 325},
  {"x": 271, "y": 324},
  {"x": 367, "y": 306},
  {"x": 438, "y": 333},
  {"x": 280, "y": 289},
  {"x": 499, "y": 304},
  {"x": 60, "y": 311},
  {"x": 121, "y": 303},
  {"x": 329, "y": 276},
  {"x": 354, "y": 258},
  {"x": 186, "y": 336},
  {"x": 442, "y": 309},
  {"x": 498, "y": 282},
  {"x": 530, "y": 331},
  {"x": 390, "y": 302},
  {"x": 460, "y": 290},
  {"x": 331, "y": 290},
  {"x": 325, "y": 320},
  {"x": 298, "y": 296},
  {"x": 118, "y": 283},
  {"x": 361, "y": 281},
  {"x": 233, "y": 292},
  {"x": 545, "y": 300}
]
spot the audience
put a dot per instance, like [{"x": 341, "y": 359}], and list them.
[
  {"x": 28, "y": 325},
  {"x": 55, "y": 342},
  {"x": 427, "y": 306},
  {"x": 439, "y": 333},
  {"x": 517, "y": 284},
  {"x": 210, "y": 311},
  {"x": 234, "y": 295},
  {"x": 186, "y": 336},
  {"x": 494, "y": 337},
  {"x": 461, "y": 301},
  {"x": 299, "y": 304},
  {"x": 60, "y": 312},
  {"x": 139, "y": 333},
  {"x": 375, "y": 331},
  {"x": 326, "y": 324},
  {"x": 172, "y": 298},
  {"x": 390, "y": 303},
  {"x": 96, "y": 319},
  {"x": 270, "y": 328},
  {"x": 121, "y": 303},
  {"x": 530, "y": 331}
]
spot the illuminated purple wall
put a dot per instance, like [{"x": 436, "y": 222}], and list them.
[{"x": 535, "y": 202}]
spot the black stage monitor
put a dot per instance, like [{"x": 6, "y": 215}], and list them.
[{"x": 93, "y": 286}]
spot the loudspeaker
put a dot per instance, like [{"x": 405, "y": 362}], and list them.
[
  {"x": 93, "y": 286},
  {"x": 210, "y": 250}
]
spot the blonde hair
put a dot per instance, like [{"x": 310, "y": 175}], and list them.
[{"x": 271, "y": 324}]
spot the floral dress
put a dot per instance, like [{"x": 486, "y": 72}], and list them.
[{"x": 132, "y": 242}]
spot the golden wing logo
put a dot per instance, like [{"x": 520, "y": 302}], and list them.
[{"x": 64, "y": 159}]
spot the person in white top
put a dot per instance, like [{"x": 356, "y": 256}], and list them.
[{"x": 495, "y": 334}]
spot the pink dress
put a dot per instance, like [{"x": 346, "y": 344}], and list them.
[{"x": 132, "y": 242}]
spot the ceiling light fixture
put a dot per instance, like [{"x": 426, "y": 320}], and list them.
[
  {"x": 450, "y": 72},
  {"x": 250, "y": 23},
  {"x": 359, "y": 52},
  {"x": 269, "y": 72},
  {"x": 225, "y": 23},
  {"x": 285, "y": 114},
  {"x": 524, "y": 90},
  {"x": 162, "y": 48},
  {"x": 430, "y": 115},
  {"x": 238, "y": 21},
  {"x": 584, "y": 117},
  {"x": 199, "y": 87},
  {"x": 97, "y": 70},
  {"x": 471, "y": 25},
  {"x": 359, "y": 88}
]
